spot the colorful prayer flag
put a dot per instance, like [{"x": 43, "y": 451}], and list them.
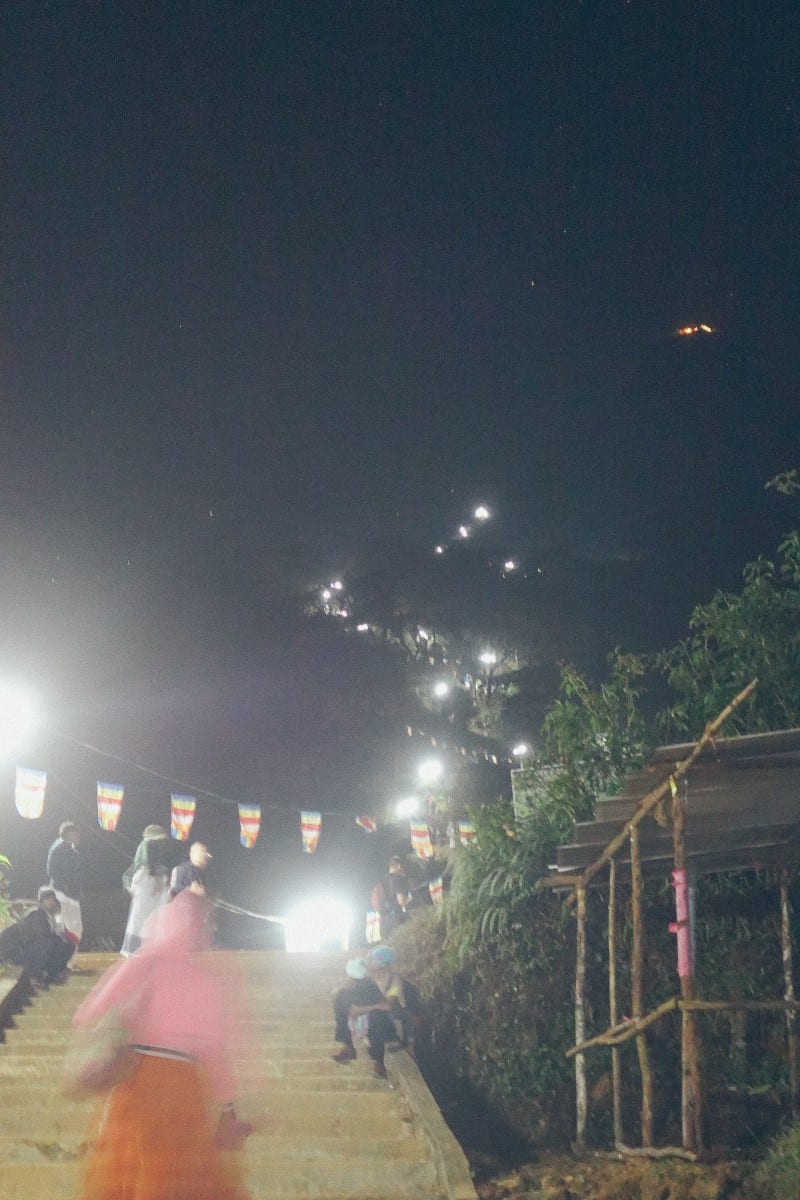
[
  {"x": 373, "y": 930},
  {"x": 421, "y": 839},
  {"x": 29, "y": 794},
  {"x": 436, "y": 889},
  {"x": 109, "y": 804},
  {"x": 310, "y": 825},
  {"x": 467, "y": 833},
  {"x": 367, "y": 823},
  {"x": 182, "y": 816},
  {"x": 249, "y": 824}
]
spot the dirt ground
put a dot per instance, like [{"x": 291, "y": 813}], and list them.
[{"x": 604, "y": 1178}]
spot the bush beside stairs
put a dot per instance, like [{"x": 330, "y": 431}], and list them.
[{"x": 322, "y": 1130}]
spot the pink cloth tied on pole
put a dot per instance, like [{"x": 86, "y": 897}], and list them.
[{"x": 681, "y": 926}]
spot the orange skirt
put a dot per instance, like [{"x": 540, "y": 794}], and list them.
[{"x": 156, "y": 1140}]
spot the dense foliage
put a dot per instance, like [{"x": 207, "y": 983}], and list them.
[{"x": 496, "y": 960}]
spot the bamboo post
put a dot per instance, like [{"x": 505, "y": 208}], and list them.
[
  {"x": 616, "y": 1077},
  {"x": 637, "y": 989},
  {"x": 691, "y": 1075},
  {"x": 788, "y": 989},
  {"x": 580, "y": 1022}
]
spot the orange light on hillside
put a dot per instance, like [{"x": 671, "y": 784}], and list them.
[{"x": 690, "y": 330}]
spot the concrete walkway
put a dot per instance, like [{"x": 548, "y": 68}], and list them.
[{"x": 323, "y": 1130}]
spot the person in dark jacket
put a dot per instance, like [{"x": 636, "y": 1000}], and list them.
[
  {"x": 361, "y": 1006},
  {"x": 36, "y": 943},
  {"x": 64, "y": 873},
  {"x": 191, "y": 874}
]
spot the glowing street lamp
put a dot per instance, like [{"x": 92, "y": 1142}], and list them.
[
  {"x": 406, "y": 808},
  {"x": 488, "y": 658},
  {"x": 463, "y": 531},
  {"x": 430, "y": 771},
  {"x": 481, "y": 513},
  {"x": 326, "y": 593},
  {"x": 17, "y": 717},
  {"x": 438, "y": 550},
  {"x": 337, "y": 585},
  {"x": 521, "y": 750},
  {"x": 441, "y": 689},
  {"x": 509, "y": 565}
]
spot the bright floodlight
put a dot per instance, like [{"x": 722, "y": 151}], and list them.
[
  {"x": 406, "y": 808},
  {"x": 521, "y": 749},
  {"x": 481, "y": 513},
  {"x": 509, "y": 565},
  {"x": 430, "y": 770},
  {"x": 319, "y": 924},
  {"x": 488, "y": 658},
  {"x": 17, "y": 717},
  {"x": 441, "y": 689}
]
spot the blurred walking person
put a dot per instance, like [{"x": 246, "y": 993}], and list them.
[{"x": 163, "y": 1126}]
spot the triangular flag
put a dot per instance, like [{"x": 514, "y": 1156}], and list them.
[
  {"x": 436, "y": 889},
  {"x": 109, "y": 804},
  {"x": 310, "y": 825},
  {"x": 29, "y": 794},
  {"x": 367, "y": 823},
  {"x": 182, "y": 816},
  {"x": 467, "y": 833},
  {"x": 249, "y": 824},
  {"x": 421, "y": 839}
]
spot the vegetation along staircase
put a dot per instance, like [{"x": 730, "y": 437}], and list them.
[{"x": 322, "y": 1130}]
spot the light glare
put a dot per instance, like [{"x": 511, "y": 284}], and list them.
[{"x": 317, "y": 924}]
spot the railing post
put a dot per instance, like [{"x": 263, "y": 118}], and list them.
[
  {"x": 580, "y": 1021},
  {"x": 788, "y": 989},
  {"x": 616, "y": 1077},
  {"x": 637, "y": 989},
  {"x": 691, "y": 1073}
]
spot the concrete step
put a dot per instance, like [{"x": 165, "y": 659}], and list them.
[
  {"x": 59, "y": 1181},
  {"x": 375, "y": 1115},
  {"x": 323, "y": 1130}
]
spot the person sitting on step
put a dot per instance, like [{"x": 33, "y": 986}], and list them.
[
  {"x": 361, "y": 1008},
  {"x": 405, "y": 1005},
  {"x": 37, "y": 943}
]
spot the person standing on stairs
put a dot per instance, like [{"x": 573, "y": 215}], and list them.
[{"x": 65, "y": 875}]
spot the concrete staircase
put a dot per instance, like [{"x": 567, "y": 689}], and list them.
[{"x": 322, "y": 1130}]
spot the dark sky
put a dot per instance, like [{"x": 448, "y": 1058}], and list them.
[{"x": 280, "y": 281}]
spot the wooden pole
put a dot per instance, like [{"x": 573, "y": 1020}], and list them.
[
  {"x": 637, "y": 989},
  {"x": 788, "y": 989},
  {"x": 580, "y": 1022},
  {"x": 691, "y": 1075},
  {"x": 616, "y": 1077}
]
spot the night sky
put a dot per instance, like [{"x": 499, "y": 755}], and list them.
[{"x": 282, "y": 283}]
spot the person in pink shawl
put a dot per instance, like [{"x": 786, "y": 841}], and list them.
[{"x": 163, "y": 1126}]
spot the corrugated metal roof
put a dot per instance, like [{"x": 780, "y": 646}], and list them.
[{"x": 742, "y": 808}]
